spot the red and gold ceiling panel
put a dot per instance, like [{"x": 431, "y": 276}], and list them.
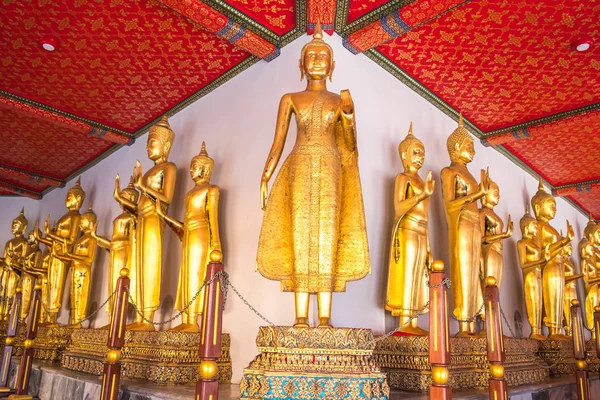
[
  {"x": 278, "y": 16},
  {"x": 565, "y": 151},
  {"x": 360, "y": 8},
  {"x": 45, "y": 148},
  {"x": 505, "y": 62},
  {"x": 589, "y": 201},
  {"x": 120, "y": 63},
  {"x": 22, "y": 179}
]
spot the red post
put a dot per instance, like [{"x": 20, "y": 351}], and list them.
[
  {"x": 495, "y": 341},
  {"x": 22, "y": 385},
  {"x": 11, "y": 332},
  {"x": 583, "y": 382},
  {"x": 597, "y": 329},
  {"x": 116, "y": 339},
  {"x": 439, "y": 343},
  {"x": 207, "y": 387}
]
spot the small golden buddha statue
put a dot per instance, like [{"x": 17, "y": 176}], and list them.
[
  {"x": 81, "y": 258},
  {"x": 158, "y": 183},
  {"x": 493, "y": 236},
  {"x": 37, "y": 265},
  {"x": 62, "y": 240},
  {"x": 461, "y": 192},
  {"x": 45, "y": 282},
  {"x": 589, "y": 268},
  {"x": 313, "y": 237},
  {"x": 553, "y": 277},
  {"x": 410, "y": 254},
  {"x": 15, "y": 251},
  {"x": 570, "y": 289},
  {"x": 122, "y": 242},
  {"x": 199, "y": 233},
  {"x": 31, "y": 264},
  {"x": 531, "y": 259}
]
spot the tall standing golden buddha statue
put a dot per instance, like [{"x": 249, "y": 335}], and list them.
[
  {"x": 122, "y": 243},
  {"x": 61, "y": 240},
  {"x": 15, "y": 251},
  {"x": 81, "y": 258},
  {"x": 410, "y": 254},
  {"x": 553, "y": 277},
  {"x": 461, "y": 192},
  {"x": 532, "y": 258},
  {"x": 313, "y": 237},
  {"x": 199, "y": 234},
  {"x": 493, "y": 236},
  {"x": 31, "y": 266},
  {"x": 589, "y": 268},
  {"x": 158, "y": 183},
  {"x": 570, "y": 289}
]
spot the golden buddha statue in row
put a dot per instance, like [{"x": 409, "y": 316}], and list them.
[
  {"x": 313, "y": 237},
  {"x": 590, "y": 267},
  {"x": 15, "y": 252}
]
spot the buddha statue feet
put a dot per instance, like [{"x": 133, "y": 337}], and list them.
[
  {"x": 466, "y": 334},
  {"x": 186, "y": 328},
  {"x": 413, "y": 330},
  {"x": 324, "y": 323},
  {"x": 301, "y": 323},
  {"x": 141, "y": 326},
  {"x": 559, "y": 336},
  {"x": 537, "y": 336}
]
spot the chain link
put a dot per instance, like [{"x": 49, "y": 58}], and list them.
[
  {"x": 248, "y": 304},
  {"x": 89, "y": 316},
  {"x": 473, "y": 318},
  {"x": 512, "y": 333},
  {"x": 552, "y": 365}
]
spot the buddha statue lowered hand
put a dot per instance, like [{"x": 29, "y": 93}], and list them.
[
  {"x": 410, "y": 253},
  {"x": 313, "y": 236},
  {"x": 199, "y": 234}
]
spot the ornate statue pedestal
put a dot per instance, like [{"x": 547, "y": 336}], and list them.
[
  {"x": 51, "y": 342},
  {"x": 19, "y": 337},
  {"x": 405, "y": 361},
  {"x": 592, "y": 357},
  {"x": 309, "y": 363},
  {"x": 159, "y": 357},
  {"x": 552, "y": 351}
]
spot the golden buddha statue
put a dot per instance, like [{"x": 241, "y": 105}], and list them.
[
  {"x": 15, "y": 251},
  {"x": 493, "y": 236},
  {"x": 199, "y": 233},
  {"x": 81, "y": 257},
  {"x": 589, "y": 268},
  {"x": 37, "y": 265},
  {"x": 122, "y": 243},
  {"x": 570, "y": 289},
  {"x": 531, "y": 259},
  {"x": 461, "y": 192},
  {"x": 45, "y": 282},
  {"x": 553, "y": 277},
  {"x": 66, "y": 232},
  {"x": 313, "y": 237},
  {"x": 410, "y": 254},
  {"x": 31, "y": 264},
  {"x": 158, "y": 183}
]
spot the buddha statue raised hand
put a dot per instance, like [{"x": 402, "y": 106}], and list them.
[
  {"x": 313, "y": 237},
  {"x": 410, "y": 254},
  {"x": 199, "y": 235}
]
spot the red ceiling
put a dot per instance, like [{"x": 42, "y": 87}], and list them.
[
  {"x": 505, "y": 62},
  {"x": 121, "y": 64}
]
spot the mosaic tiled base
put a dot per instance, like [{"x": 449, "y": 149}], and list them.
[
  {"x": 51, "y": 342},
  {"x": 309, "y": 363},
  {"x": 160, "y": 357},
  {"x": 559, "y": 355},
  {"x": 592, "y": 357},
  {"x": 405, "y": 361}
]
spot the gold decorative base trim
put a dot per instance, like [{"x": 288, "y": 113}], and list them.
[
  {"x": 405, "y": 361},
  {"x": 159, "y": 357},
  {"x": 559, "y": 354},
  {"x": 593, "y": 363},
  {"x": 19, "y": 337},
  {"x": 51, "y": 342},
  {"x": 309, "y": 363}
]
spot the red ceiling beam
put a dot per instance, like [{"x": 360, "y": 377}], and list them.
[
  {"x": 32, "y": 176},
  {"x": 398, "y": 23},
  {"x": 19, "y": 191},
  {"x": 224, "y": 27},
  {"x": 574, "y": 188},
  {"x": 13, "y": 103}
]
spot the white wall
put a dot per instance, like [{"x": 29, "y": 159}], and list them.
[{"x": 237, "y": 121}]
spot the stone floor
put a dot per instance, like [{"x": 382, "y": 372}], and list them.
[{"x": 51, "y": 382}]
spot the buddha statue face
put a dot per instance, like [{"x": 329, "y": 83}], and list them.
[
  {"x": 531, "y": 230},
  {"x": 75, "y": 197},
  {"x": 568, "y": 250},
  {"x": 155, "y": 148},
  {"x": 316, "y": 58},
  {"x": 87, "y": 223},
  {"x": 545, "y": 210},
  {"x": 492, "y": 198},
  {"x": 18, "y": 227},
  {"x": 200, "y": 170},
  {"x": 465, "y": 151},
  {"x": 413, "y": 157}
]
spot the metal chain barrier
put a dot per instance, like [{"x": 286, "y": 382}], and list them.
[
  {"x": 560, "y": 359},
  {"x": 89, "y": 316},
  {"x": 473, "y": 318},
  {"x": 512, "y": 333}
]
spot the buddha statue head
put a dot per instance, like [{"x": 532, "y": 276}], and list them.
[
  {"x": 19, "y": 224},
  {"x": 412, "y": 152},
  {"x": 543, "y": 203},
  {"x": 592, "y": 232},
  {"x": 316, "y": 59},
  {"x": 130, "y": 193},
  {"x": 460, "y": 144},
  {"x": 31, "y": 240},
  {"x": 75, "y": 196},
  {"x": 529, "y": 225},
  {"x": 492, "y": 197},
  {"x": 87, "y": 223},
  {"x": 201, "y": 166},
  {"x": 568, "y": 250},
  {"x": 160, "y": 140}
]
